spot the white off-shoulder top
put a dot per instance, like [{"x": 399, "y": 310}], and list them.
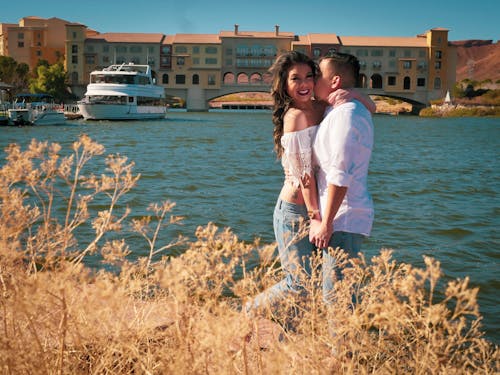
[{"x": 297, "y": 154}]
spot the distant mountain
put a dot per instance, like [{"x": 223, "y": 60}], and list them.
[{"x": 478, "y": 60}]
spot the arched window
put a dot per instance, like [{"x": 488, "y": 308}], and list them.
[
  {"x": 164, "y": 79},
  {"x": 242, "y": 78},
  {"x": 228, "y": 78},
  {"x": 361, "y": 81},
  {"x": 437, "y": 83},
  {"x": 376, "y": 81},
  {"x": 255, "y": 78},
  {"x": 196, "y": 79},
  {"x": 406, "y": 83}
]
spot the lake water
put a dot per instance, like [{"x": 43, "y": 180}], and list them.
[{"x": 435, "y": 183}]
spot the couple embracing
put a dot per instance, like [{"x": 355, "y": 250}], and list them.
[{"x": 323, "y": 134}]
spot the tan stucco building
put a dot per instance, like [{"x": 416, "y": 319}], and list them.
[{"x": 198, "y": 67}]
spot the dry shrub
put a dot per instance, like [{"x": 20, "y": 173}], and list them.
[{"x": 180, "y": 314}]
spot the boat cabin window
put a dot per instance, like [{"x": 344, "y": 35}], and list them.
[{"x": 119, "y": 78}]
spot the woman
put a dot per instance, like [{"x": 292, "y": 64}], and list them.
[{"x": 295, "y": 117}]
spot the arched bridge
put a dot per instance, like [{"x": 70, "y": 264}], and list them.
[{"x": 197, "y": 99}]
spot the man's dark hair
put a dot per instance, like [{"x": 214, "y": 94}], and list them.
[{"x": 344, "y": 64}]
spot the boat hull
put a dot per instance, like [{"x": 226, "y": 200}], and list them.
[
  {"x": 28, "y": 116},
  {"x": 92, "y": 111}
]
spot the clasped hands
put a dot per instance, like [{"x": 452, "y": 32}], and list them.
[{"x": 319, "y": 233}]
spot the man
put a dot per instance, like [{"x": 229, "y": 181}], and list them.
[{"x": 342, "y": 151}]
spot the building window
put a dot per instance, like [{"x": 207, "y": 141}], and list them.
[
  {"x": 196, "y": 79},
  {"x": 406, "y": 64},
  {"x": 39, "y": 53},
  {"x": 376, "y": 81},
  {"x": 391, "y": 81},
  {"x": 392, "y": 64},
  {"x": 406, "y": 83},
  {"x": 136, "y": 49},
  {"x": 316, "y": 52},
  {"x": 180, "y": 61},
  {"x": 362, "y": 52},
  {"x": 74, "y": 48},
  {"x": 422, "y": 53},
  {"x": 20, "y": 44},
  {"x": 437, "y": 65},
  {"x": 196, "y": 60},
  {"x": 211, "y": 50},
  {"x": 90, "y": 59},
  {"x": 180, "y": 79},
  {"x": 105, "y": 59},
  {"x": 211, "y": 80},
  {"x": 121, "y": 49},
  {"x": 437, "y": 83},
  {"x": 180, "y": 49},
  {"x": 105, "y": 49},
  {"x": 20, "y": 35},
  {"x": 377, "y": 64},
  {"x": 164, "y": 79},
  {"x": 407, "y": 53},
  {"x": 210, "y": 61},
  {"x": 332, "y": 50},
  {"x": 392, "y": 53},
  {"x": 377, "y": 52},
  {"x": 74, "y": 59},
  {"x": 439, "y": 54},
  {"x": 421, "y": 82},
  {"x": 165, "y": 49},
  {"x": 74, "y": 34}
]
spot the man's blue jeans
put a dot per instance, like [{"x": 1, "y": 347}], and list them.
[{"x": 351, "y": 244}]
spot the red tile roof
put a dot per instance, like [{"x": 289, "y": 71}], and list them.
[
  {"x": 367, "y": 41},
  {"x": 256, "y": 34},
  {"x": 128, "y": 37},
  {"x": 196, "y": 38}
]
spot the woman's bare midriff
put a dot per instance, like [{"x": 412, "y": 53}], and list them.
[{"x": 292, "y": 194}]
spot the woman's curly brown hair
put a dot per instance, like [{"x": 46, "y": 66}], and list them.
[{"x": 282, "y": 100}]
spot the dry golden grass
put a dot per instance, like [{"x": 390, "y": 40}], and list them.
[{"x": 163, "y": 315}]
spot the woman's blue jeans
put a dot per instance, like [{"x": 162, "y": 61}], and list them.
[{"x": 295, "y": 253}]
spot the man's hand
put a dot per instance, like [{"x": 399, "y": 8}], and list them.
[{"x": 320, "y": 233}]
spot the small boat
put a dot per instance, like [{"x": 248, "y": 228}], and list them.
[
  {"x": 35, "y": 109},
  {"x": 123, "y": 92}
]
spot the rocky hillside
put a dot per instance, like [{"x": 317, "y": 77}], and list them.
[{"x": 478, "y": 60}]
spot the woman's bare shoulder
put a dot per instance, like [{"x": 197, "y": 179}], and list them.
[{"x": 294, "y": 120}]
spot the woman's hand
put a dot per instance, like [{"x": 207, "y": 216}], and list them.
[{"x": 320, "y": 233}]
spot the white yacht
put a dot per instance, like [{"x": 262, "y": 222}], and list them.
[
  {"x": 123, "y": 92},
  {"x": 36, "y": 109}
]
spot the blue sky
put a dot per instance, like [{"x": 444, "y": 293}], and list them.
[{"x": 465, "y": 19}]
